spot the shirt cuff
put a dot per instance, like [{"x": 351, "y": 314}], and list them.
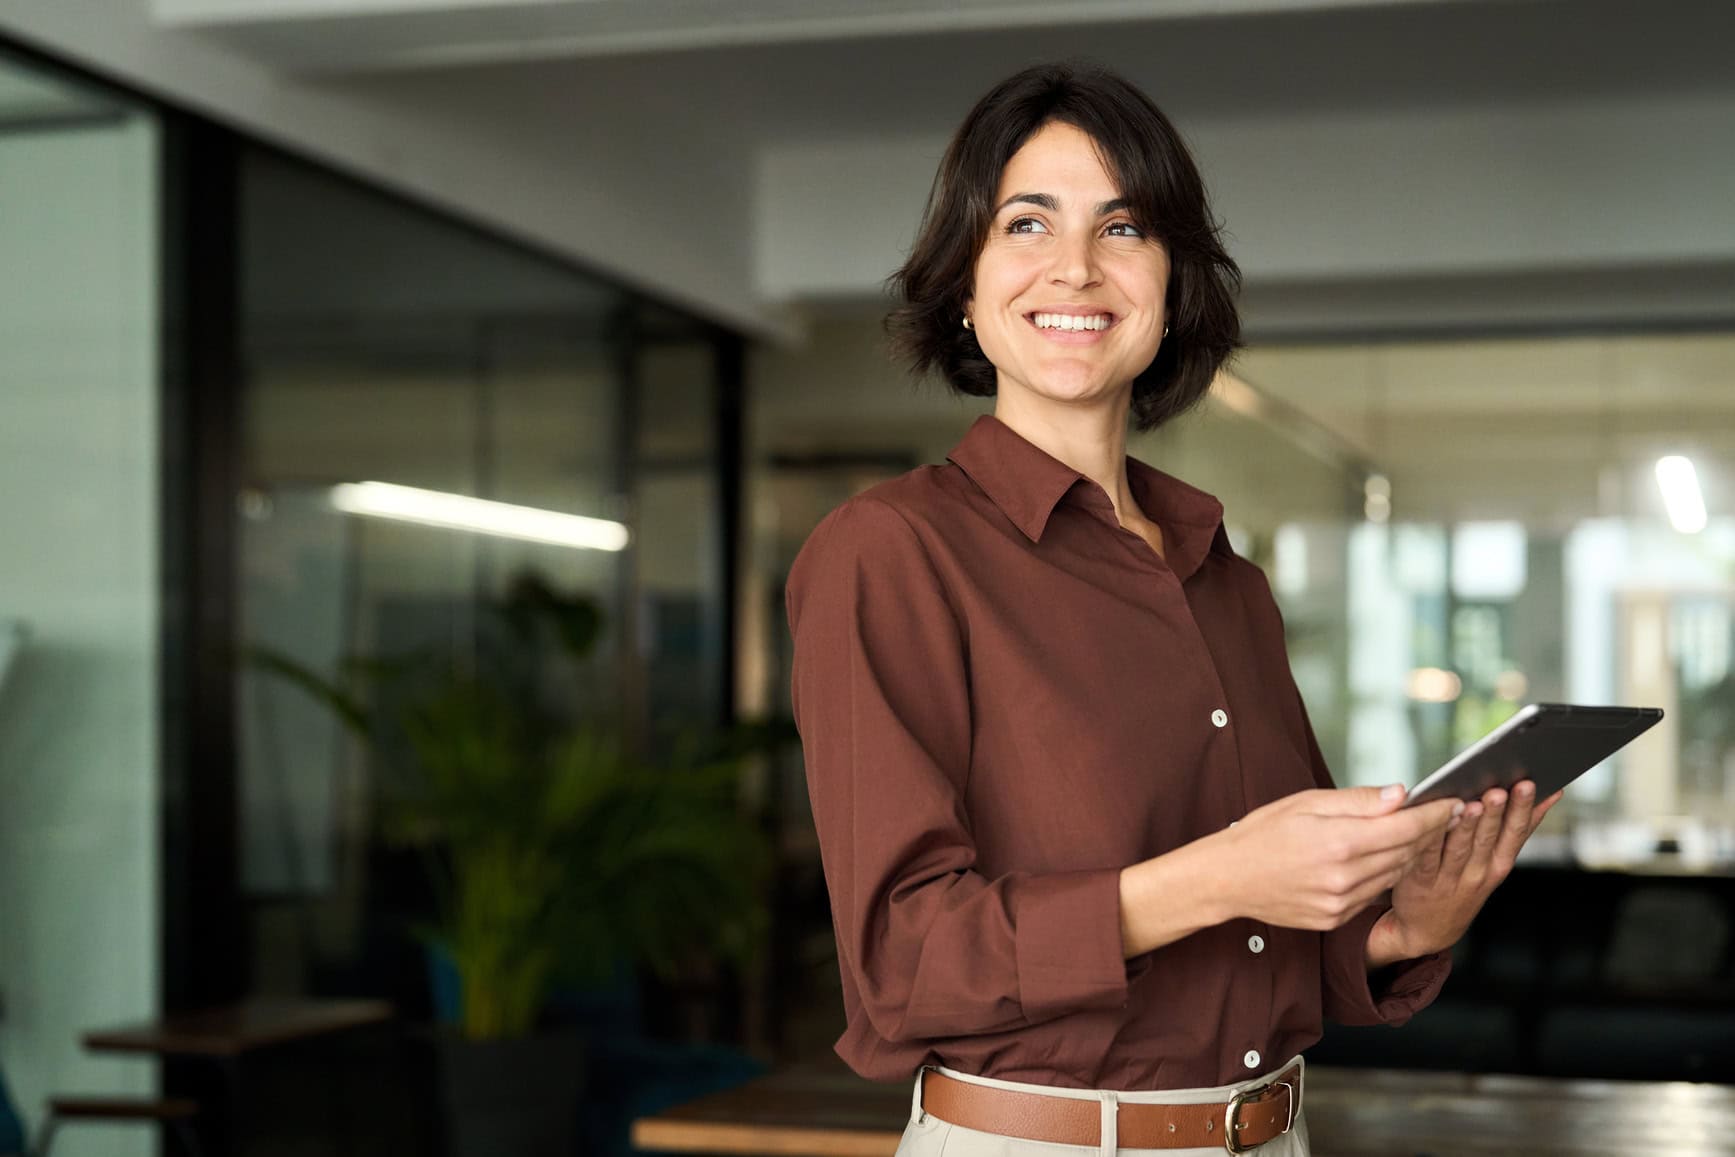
[
  {"x": 1068, "y": 935},
  {"x": 1389, "y": 995}
]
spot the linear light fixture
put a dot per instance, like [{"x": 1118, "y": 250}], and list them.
[
  {"x": 1681, "y": 495},
  {"x": 458, "y": 512}
]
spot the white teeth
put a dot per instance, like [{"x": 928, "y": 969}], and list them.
[{"x": 1069, "y": 321}]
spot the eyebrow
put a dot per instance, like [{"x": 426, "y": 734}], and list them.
[{"x": 1047, "y": 201}]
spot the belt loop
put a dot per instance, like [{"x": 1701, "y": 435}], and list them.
[
  {"x": 916, "y": 1114},
  {"x": 1110, "y": 1134}
]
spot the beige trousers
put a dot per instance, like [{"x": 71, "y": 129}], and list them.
[{"x": 928, "y": 1136}]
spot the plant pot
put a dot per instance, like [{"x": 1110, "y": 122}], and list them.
[{"x": 518, "y": 1097}]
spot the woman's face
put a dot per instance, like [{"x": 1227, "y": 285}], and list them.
[{"x": 1068, "y": 294}]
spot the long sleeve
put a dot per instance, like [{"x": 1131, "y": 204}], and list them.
[{"x": 881, "y": 695}]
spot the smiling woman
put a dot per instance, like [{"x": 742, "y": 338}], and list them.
[{"x": 1091, "y": 879}]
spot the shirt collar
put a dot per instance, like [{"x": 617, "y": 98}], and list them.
[{"x": 1027, "y": 483}]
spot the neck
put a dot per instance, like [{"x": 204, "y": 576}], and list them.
[{"x": 1091, "y": 440}]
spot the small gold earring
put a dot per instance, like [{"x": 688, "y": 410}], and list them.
[{"x": 967, "y": 324}]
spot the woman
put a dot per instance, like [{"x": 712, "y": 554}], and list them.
[{"x": 1091, "y": 883}]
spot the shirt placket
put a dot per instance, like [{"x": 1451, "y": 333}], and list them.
[{"x": 1252, "y": 977}]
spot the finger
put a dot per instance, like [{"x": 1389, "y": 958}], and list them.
[
  {"x": 1409, "y": 826},
  {"x": 1522, "y": 803},
  {"x": 1460, "y": 843},
  {"x": 1425, "y": 858},
  {"x": 1517, "y": 827},
  {"x": 1488, "y": 828},
  {"x": 1373, "y": 888},
  {"x": 1357, "y": 801},
  {"x": 1380, "y": 865}
]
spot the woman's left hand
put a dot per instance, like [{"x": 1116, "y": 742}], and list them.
[{"x": 1433, "y": 904}]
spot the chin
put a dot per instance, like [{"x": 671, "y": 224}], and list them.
[
  {"x": 1062, "y": 395},
  {"x": 1073, "y": 386}
]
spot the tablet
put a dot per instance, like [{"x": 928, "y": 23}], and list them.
[{"x": 1550, "y": 743}]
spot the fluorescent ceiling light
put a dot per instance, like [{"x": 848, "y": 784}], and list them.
[
  {"x": 457, "y": 512},
  {"x": 1681, "y": 496}
]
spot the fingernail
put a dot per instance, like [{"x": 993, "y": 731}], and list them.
[
  {"x": 1393, "y": 791},
  {"x": 1526, "y": 790},
  {"x": 1458, "y": 809}
]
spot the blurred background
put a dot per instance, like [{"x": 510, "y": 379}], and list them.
[{"x": 294, "y": 728}]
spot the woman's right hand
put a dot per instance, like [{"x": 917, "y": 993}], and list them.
[{"x": 1316, "y": 858}]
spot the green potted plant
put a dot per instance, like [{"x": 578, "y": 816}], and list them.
[{"x": 554, "y": 855}]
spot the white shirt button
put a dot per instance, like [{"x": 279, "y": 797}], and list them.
[
  {"x": 1220, "y": 717},
  {"x": 1251, "y": 1059},
  {"x": 1256, "y": 943}
]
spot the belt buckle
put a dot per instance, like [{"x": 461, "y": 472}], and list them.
[{"x": 1234, "y": 1108}]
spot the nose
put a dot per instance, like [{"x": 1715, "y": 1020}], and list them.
[{"x": 1075, "y": 260}]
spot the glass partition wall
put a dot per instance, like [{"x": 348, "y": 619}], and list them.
[
  {"x": 1549, "y": 519},
  {"x": 434, "y": 428},
  {"x": 80, "y": 701}
]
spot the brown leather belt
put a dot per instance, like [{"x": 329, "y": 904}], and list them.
[{"x": 1246, "y": 1120}]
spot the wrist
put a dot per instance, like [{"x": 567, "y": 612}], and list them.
[
  {"x": 1389, "y": 942},
  {"x": 1169, "y": 897},
  {"x": 1216, "y": 883}
]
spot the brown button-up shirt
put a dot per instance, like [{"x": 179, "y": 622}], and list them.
[{"x": 1004, "y": 698}]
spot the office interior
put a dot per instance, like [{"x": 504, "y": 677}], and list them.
[{"x": 291, "y": 283}]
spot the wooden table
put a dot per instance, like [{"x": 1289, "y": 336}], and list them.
[
  {"x": 221, "y": 1033},
  {"x": 820, "y": 1111},
  {"x": 224, "y": 1036}
]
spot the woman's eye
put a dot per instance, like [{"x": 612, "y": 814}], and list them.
[
  {"x": 1131, "y": 229},
  {"x": 1017, "y": 225}
]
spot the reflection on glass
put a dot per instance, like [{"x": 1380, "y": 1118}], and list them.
[{"x": 428, "y": 416}]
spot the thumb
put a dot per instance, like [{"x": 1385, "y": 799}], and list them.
[{"x": 1362, "y": 801}]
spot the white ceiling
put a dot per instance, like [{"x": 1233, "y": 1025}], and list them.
[{"x": 819, "y": 69}]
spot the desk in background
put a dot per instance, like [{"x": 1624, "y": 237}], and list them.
[{"x": 224, "y": 1037}]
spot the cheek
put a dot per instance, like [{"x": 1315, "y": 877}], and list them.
[
  {"x": 999, "y": 279},
  {"x": 1144, "y": 279},
  {"x": 997, "y": 288}
]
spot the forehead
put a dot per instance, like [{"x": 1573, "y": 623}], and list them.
[{"x": 1057, "y": 156}]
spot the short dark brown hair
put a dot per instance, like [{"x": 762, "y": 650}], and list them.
[{"x": 1166, "y": 197}]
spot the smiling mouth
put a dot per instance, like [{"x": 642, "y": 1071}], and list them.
[{"x": 1071, "y": 323}]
